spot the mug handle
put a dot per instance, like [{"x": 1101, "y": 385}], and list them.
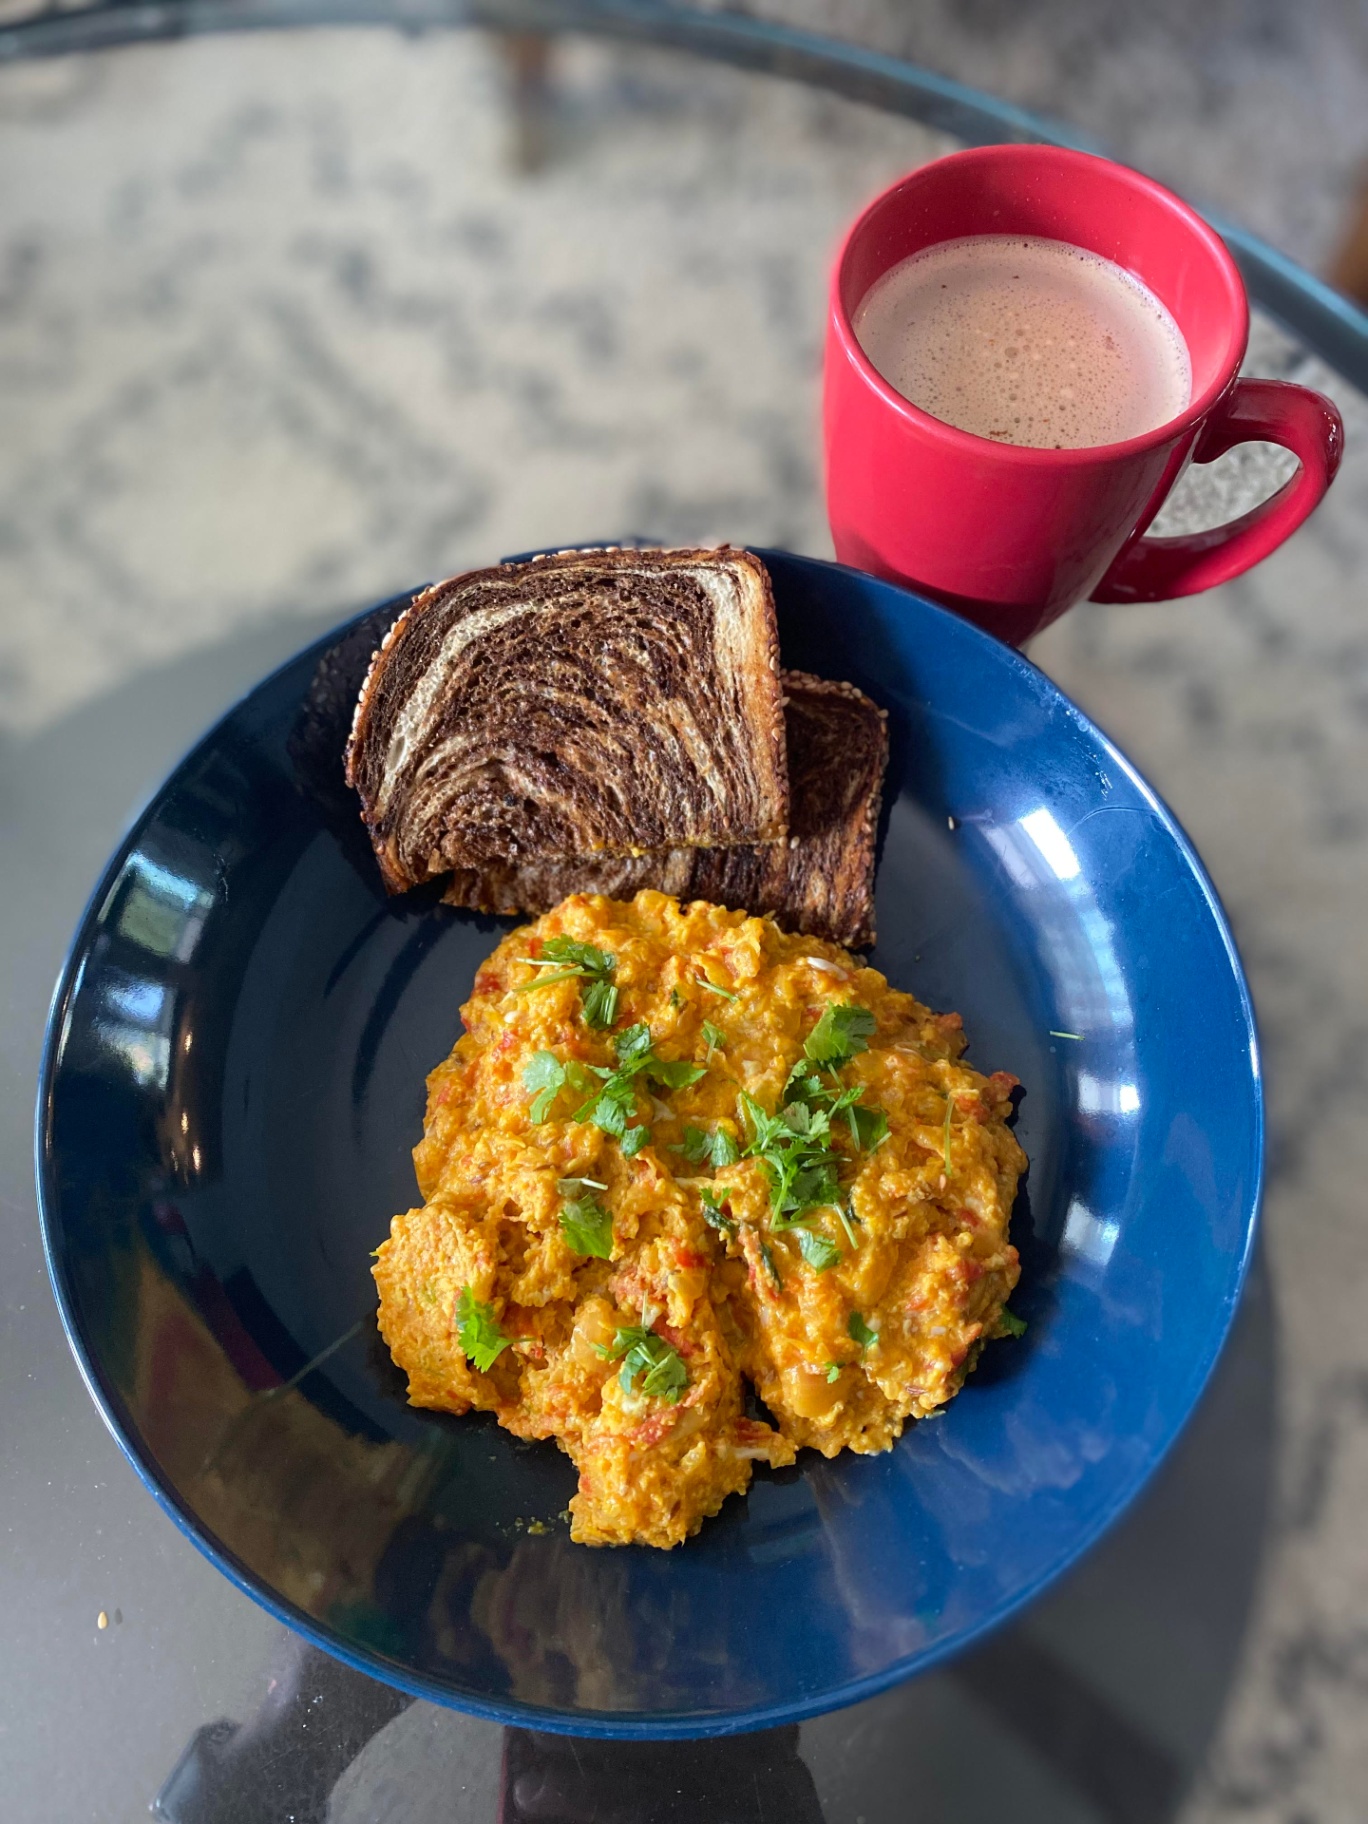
[{"x": 1253, "y": 411}]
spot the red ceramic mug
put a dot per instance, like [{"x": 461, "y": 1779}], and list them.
[{"x": 1011, "y": 537}]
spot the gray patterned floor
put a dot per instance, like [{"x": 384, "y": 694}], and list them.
[{"x": 280, "y": 331}]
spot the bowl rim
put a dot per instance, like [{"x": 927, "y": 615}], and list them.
[{"x": 626, "y": 1724}]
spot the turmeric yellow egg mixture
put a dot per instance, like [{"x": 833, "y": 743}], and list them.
[{"x": 677, "y": 1150}]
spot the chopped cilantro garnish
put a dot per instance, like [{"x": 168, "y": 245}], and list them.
[
  {"x": 482, "y": 1341},
  {"x": 577, "y": 959},
  {"x": 714, "y": 1038},
  {"x": 839, "y": 1034},
  {"x": 570, "y": 951},
  {"x": 713, "y": 1213},
  {"x": 674, "y": 1073},
  {"x": 676, "y": 999},
  {"x": 633, "y": 1043},
  {"x": 545, "y": 981},
  {"x": 715, "y": 1149},
  {"x": 1011, "y": 1323},
  {"x": 585, "y": 1223},
  {"x": 600, "y": 1005},
  {"x": 768, "y": 1259},
  {"x": 833, "y": 1371},
  {"x": 868, "y": 1125},
  {"x": 633, "y": 1140},
  {"x": 713, "y": 988},
  {"x": 817, "y": 1251},
  {"x": 611, "y": 1102},
  {"x": 544, "y": 1076},
  {"x": 644, "y": 1354},
  {"x": 845, "y": 1215},
  {"x": 794, "y": 1148},
  {"x": 860, "y": 1332},
  {"x": 609, "y": 1107}
]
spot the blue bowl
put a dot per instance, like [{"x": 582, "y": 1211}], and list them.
[{"x": 234, "y": 1077}]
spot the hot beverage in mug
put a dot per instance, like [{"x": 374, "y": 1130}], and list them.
[{"x": 1027, "y": 341}]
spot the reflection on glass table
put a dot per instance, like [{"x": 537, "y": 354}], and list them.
[{"x": 1058, "y": 1717}]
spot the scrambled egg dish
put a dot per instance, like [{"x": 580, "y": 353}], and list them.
[{"x": 677, "y": 1151}]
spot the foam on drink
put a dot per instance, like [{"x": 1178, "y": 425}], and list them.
[{"x": 1027, "y": 341}]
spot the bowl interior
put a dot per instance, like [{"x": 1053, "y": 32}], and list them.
[{"x": 234, "y": 1081}]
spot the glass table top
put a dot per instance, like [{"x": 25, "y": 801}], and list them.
[{"x": 291, "y": 321}]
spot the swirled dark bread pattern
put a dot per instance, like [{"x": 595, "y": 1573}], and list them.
[
  {"x": 820, "y": 883},
  {"x": 588, "y": 703}
]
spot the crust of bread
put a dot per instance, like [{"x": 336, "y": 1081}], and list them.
[
  {"x": 820, "y": 882},
  {"x": 575, "y": 715}
]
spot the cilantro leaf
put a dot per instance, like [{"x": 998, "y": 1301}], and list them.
[
  {"x": 803, "y": 1121},
  {"x": 714, "y": 1037},
  {"x": 817, "y": 1251},
  {"x": 860, "y": 1332},
  {"x": 715, "y": 1149},
  {"x": 868, "y": 1126},
  {"x": 586, "y": 961},
  {"x": 768, "y": 1259},
  {"x": 648, "y": 1356},
  {"x": 587, "y": 957},
  {"x": 611, "y": 1102},
  {"x": 813, "y": 1187},
  {"x": 833, "y": 1372},
  {"x": 675, "y": 1073},
  {"x": 633, "y": 1043},
  {"x": 544, "y": 1077},
  {"x": 695, "y": 1146},
  {"x": 482, "y": 1341},
  {"x": 541, "y": 1106},
  {"x": 842, "y": 1031},
  {"x": 794, "y": 1148},
  {"x": 805, "y": 1083},
  {"x": 1011, "y": 1323},
  {"x": 764, "y": 1128},
  {"x": 713, "y": 1213},
  {"x": 676, "y": 999},
  {"x": 543, "y": 1070},
  {"x": 600, "y": 1005},
  {"x": 585, "y": 1223},
  {"x": 609, "y": 1109},
  {"x": 725, "y": 1151}
]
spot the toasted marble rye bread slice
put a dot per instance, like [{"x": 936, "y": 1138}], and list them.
[
  {"x": 820, "y": 882},
  {"x": 592, "y": 702}
]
